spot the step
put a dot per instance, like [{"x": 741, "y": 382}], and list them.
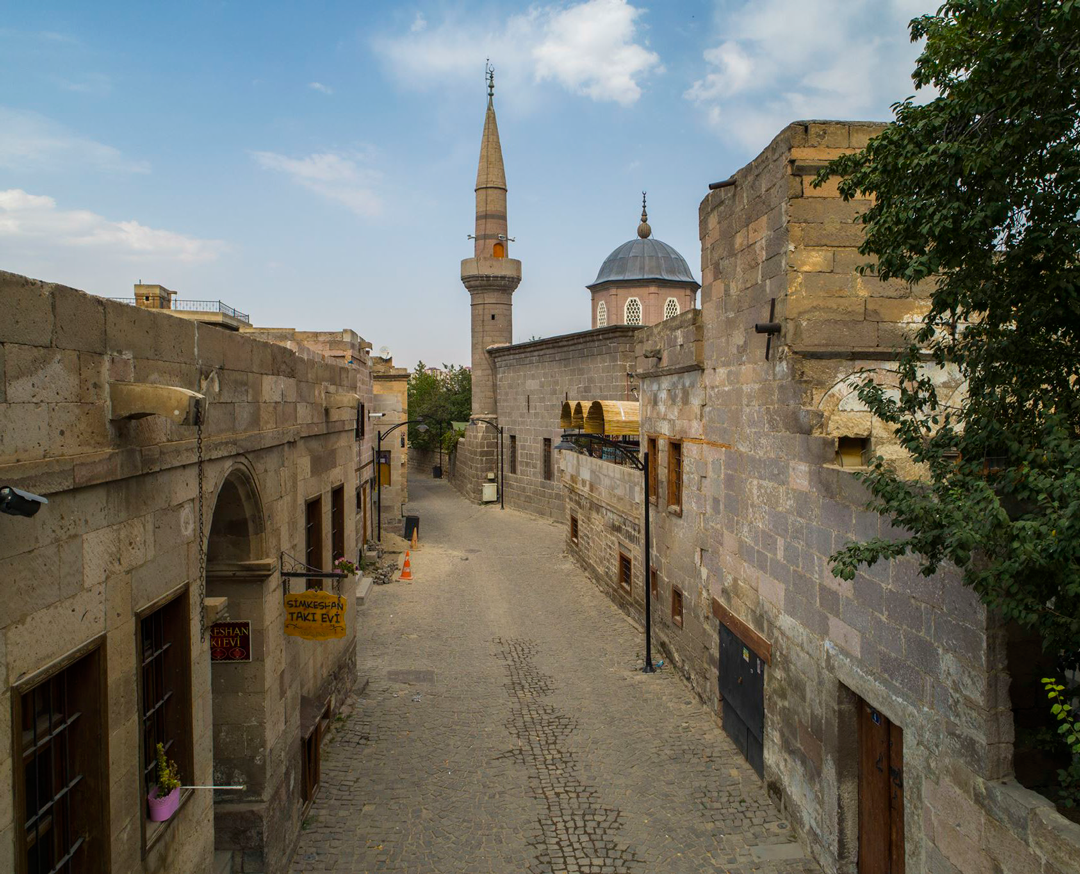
[{"x": 362, "y": 589}]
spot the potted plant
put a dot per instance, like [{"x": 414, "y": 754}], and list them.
[
  {"x": 344, "y": 566},
  {"x": 164, "y": 797}
]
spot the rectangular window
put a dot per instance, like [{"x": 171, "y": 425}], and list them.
[
  {"x": 359, "y": 421},
  {"x": 676, "y": 606},
  {"x": 513, "y": 454},
  {"x": 626, "y": 572},
  {"x": 674, "y": 472},
  {"x": 547, "y": 458},
  {"x": 654, "y": 584},
  {"x": 60, "y": 771},
  {"x": 337, "y": 522},
  {"x": 654, "y": 461},
  {"x": 573, "y": 528},
  {"x": 311, "y": 763},
  {"x": 165, "y": 690},
  {"x": 313, "y": 534}
]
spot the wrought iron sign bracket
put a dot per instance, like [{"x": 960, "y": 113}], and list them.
[
  {"x": 770, "y": 327},
  {"x": 293, "y": 567}
]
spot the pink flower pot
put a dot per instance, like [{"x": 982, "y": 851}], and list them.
[{"x": 165, "y": 806}]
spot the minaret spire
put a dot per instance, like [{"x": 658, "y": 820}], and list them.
[{"x": 490, "y": 275}]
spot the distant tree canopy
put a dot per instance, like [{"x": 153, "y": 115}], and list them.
[
  {"x": 442, "y": 398},
  {"x": 976, "y": 194}
]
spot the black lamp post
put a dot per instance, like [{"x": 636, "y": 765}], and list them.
[
  {"x": 502, "y": 503},
  {"x": 641, "y": 464},
  {"x": 420, "y": 426}
]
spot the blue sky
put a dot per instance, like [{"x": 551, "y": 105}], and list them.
[{"x": 312, "y": 163}]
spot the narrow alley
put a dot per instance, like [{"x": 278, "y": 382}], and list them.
[{"x": 506, "y": 727}]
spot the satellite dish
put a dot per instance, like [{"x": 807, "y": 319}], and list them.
[{"x": 384, "y": 352}]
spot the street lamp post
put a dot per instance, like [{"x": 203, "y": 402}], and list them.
[
  {"x": 641, "y": 464},
  {"x": 420, "y": 426},
  {"x": 502, "y": 502}
]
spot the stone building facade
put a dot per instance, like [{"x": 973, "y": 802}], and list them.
[
  {"x": 102, "y": 648},
  {"x": 391, "y": 398},
  {"x": 766, "y": 443}
]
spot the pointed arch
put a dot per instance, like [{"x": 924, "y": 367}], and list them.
[
  {"x": 601, "y": 315},
  {"x": 237, "y": 523},
  {"x": 632, "y": 312},
  {"x": 671, "y": 308}
]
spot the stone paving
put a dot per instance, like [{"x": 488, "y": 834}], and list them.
[{"x": 506, "y": 727}]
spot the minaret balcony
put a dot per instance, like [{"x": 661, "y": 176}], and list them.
[{"x": 491, "y": 271}]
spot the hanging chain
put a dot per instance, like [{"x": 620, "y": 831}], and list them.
[{"x": 202, "y": 544}]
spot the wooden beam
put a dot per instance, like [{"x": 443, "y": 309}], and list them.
[{"x": 744, "y": 632}]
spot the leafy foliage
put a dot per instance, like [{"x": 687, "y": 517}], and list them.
[
  {"x": 442, "y": 397},
  {"x": 975, "y": 195},
  {"x": 1069, "y": 729},
  {"x": 168, "y": 773}
]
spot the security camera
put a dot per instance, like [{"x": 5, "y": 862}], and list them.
[{"x": 16, "y": 502}]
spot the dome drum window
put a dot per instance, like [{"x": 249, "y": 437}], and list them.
[
  {"x": 632, "y": 312},
  {"x": 601, "y": 315},
  {"x": 671, "y": 308}
]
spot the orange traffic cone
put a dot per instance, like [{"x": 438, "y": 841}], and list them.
[
  {"x": 406, "y": 569},
  {"x": 415, "y": 539}
]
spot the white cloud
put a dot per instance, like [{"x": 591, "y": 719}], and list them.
[
  {"x": 34, "y": 221},
  {"x": 419, "y": 23},
  {"x": 96, "y": 84},
  {"x": 776, "y": 63},
  {"x": 590, "y": 48},
  {"x": 29, "y": 141},
  {"x": 318, "y": 86},
  {"x": 332, "y": 175}
]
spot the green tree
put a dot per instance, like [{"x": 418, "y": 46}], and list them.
[
  {"x": 442, "y": 398},
  {"x": 976, "y": 195}
]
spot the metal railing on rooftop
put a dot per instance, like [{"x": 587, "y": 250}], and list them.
[{"x": 199, "y": 306}]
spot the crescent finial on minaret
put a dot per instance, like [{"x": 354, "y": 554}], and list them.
[{"x": 490, "y": 71}]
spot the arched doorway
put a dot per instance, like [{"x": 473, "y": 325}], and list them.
[{"x": 239, "y": 570}]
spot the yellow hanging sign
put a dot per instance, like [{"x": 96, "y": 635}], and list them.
[{"x": 315, "y": 616}]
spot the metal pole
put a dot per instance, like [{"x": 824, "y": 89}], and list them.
[
  {"x": 502, "y": 500},
  {"x": 378, "y": 473},
  {"x": 648, "y": 669}
]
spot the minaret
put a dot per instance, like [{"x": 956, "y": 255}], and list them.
[{"x": 490, "y": 276}]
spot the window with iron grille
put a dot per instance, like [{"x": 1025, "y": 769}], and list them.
[
  {"x": 676, "y": 606},
  {"x": 601, "y": 315},
  {"x": 671, "y": 308},
  {"x": 513, "y": 454},
  {"x": 674, "y": 472},
  {"x": 165, "y": 688},
  {"x": 654, "y": 583},
  {"x": 359, "y": 421},
  {"x": 573, "y": 528},
  {"x": 337, "y": 522},
  {"x": 626, "y": 572},
  {"x": 654, "y": 461},
  {"x": 547, "y": 458},
  {"x": 60, "y": 779},
  {"x": 313, "y": 535},
  {"x": 632, "y": 312}
]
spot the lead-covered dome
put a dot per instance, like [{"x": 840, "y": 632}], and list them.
[{"x": 644, "y": 259}]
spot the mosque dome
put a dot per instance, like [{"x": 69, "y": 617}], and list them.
[{"x": 644, "y": 259}]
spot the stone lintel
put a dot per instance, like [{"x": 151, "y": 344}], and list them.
[
  {"x": 761, "y": 647},
  {"x": 336, "y": 400}
]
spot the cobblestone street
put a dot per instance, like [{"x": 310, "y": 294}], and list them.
[{"x": 506, "y": 727}]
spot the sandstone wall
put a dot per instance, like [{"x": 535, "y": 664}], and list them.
[
  {"x": 120, "y": 532},
  {"x": 533, "y": 380}
]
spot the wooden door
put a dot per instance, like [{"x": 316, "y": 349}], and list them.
[
  {"x": 742, "y": 690},
  {"x": 881, "y": 793},
  {"x": 363, "y": 521}
]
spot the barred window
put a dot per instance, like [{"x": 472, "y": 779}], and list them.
[
  {"x": 676, "y": 606},
  {"x": 313, "y": 535},
  {"x": 626, "y": 572},
  {"x": 165, "y": 689},
  {"x": 513, "y": 454},
  {"x": 337, "y": 522},
  {"x": 59, "y": 773},
  {"x": 671, "y": 308},
  {"x": 573, "y": 528},
  {"x": 601, "y": 315},
  {"x": 654, "y": 461},
  {"x": 547, "y": 458},
  {"x": 632, "y": 312}
]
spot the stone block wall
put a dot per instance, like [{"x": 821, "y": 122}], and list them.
[
  {"x": 120, "y": 533},
  {"x": 392, "y": 398},
  {"x": 533, "y": 380},
  {"x": 921, "y": 651}
]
